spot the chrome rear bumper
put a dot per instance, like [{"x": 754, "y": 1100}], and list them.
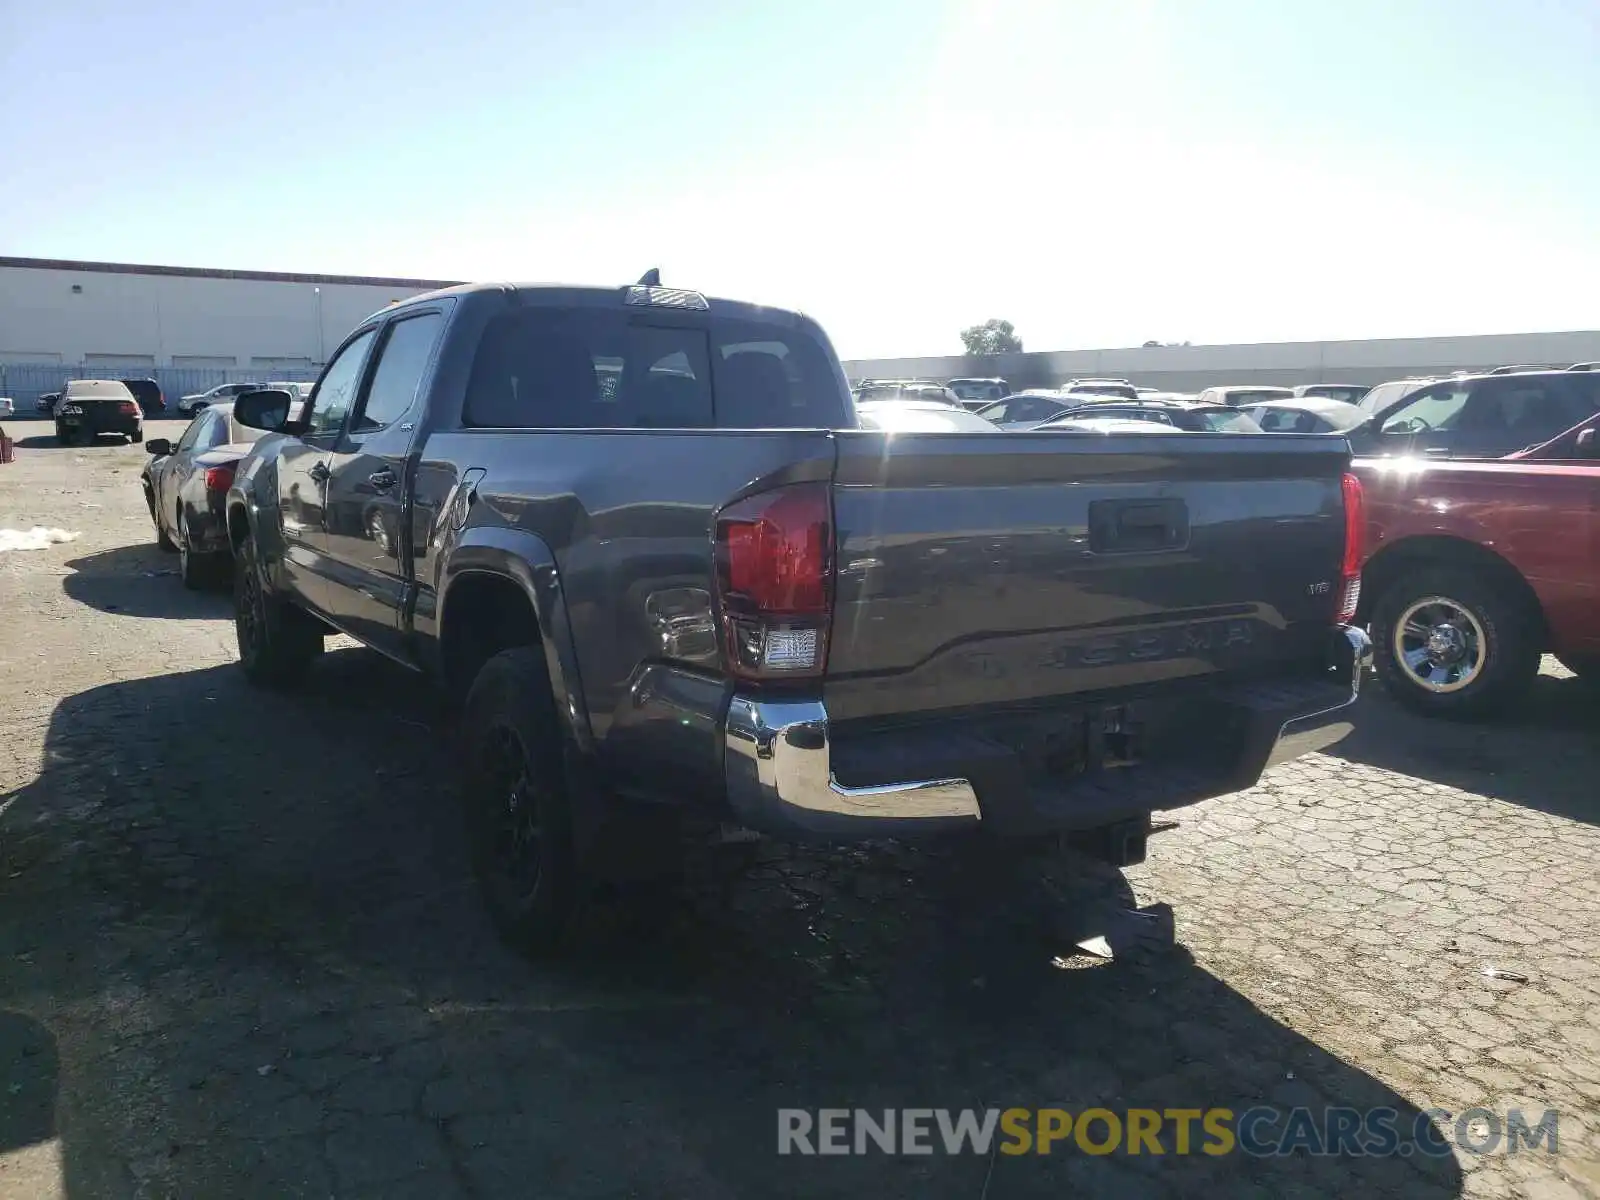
[
  {"x": 779, "y": 771},
  {"x": 780, "y": 778}
]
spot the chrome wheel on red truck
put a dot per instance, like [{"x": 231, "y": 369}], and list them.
[{"x": 1451, "y": 643}]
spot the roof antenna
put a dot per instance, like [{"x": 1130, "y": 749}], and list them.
[{"x": 651, "y": 278}]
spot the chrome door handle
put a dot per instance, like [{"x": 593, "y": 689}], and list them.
[
  {"x": 382, "y": 480},
  {"x": 319, "y": 473}
]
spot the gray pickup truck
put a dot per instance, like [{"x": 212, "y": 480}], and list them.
[{"x": 640, "y": 535}]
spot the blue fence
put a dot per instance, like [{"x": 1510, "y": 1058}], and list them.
[{"x": 26, "y": 382}]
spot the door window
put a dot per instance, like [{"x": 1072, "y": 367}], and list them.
[
  {"x": 1513, "y": 412},
  {"x": 406, "y": 351},
  {"x": 1435, "y": 409},
  {"x": 332, "y": 399}
]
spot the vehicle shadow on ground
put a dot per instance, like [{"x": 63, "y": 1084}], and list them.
[
  {"x": 269, "y": 901},
  {"x": 1527, "y": 757},
  {"x": 28, "y": 1070},
  {"x": 141, "y": 581},
  {"x": 39, "y": 441}
]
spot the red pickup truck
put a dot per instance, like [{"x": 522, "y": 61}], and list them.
[{"x": 1474, "y": 569}]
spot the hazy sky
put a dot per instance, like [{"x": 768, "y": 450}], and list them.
[{"x": 1098, "y": 171}]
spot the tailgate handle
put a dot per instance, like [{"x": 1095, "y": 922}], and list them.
[{"x": 1137, "y": 526}]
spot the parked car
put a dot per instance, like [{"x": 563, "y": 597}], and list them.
[
  {"x": 186, "y": 490},
  {"x": 1243, "y": 395},
  {"x": 919, "y": 416},
  {"x": 1024, "y": 410},
  {"x": 1476, "y": 569},
  {"x": 1192, "y": 418},
  {"x": 1481, "y": 416},
  {"x": 1585, "y": 366},
  {"x": 1385, "y": 396},
  {"x": 1093, "y": 423},
  {"x": 148, "y": 393},
  {"x": 7, "y": 407},
  {"x": 91, "y": 407},
  {"x": 710, "y": 595},
  {"x": 975, "y": 393},
  {"x": 299, "y": 392},
  {"x": 1350, "y": 393},
  {"x": 1308, "y": 415},
  {"x": 934, "y": 393},
  {"x": 193, "y": 403},
  {"x": 47, "y": 403},
  {"x": 1119, "y": 388}
]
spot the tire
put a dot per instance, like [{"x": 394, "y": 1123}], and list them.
[
  {"x": 162, "y": 540},
  {"x": 199, "y": 572},
  {"x": 1494, "y": 651},
  {"x": 517, "y": 771},
  {"x": 277, "y": 641},
  {"x": 135, "y": 439}
]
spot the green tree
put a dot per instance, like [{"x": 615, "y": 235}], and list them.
[{"x": 992, "y": 337}]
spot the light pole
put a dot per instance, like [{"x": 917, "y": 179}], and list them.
[{"x": 318, "y": 292}]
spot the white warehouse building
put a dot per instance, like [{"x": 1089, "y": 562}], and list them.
[{"x": 115, "y": 317}]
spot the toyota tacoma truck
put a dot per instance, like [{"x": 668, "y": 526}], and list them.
[
  {"x": 641, "y": 536},
  {"x": 1475, "y": 569}
]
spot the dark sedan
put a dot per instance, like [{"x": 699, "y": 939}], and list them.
[
  {"x": 186, "y": 485},
  {"x": 1192, "y": 418}
]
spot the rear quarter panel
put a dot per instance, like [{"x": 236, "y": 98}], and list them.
[
  {"x": 627, "y": 516},
  {"x": 1539, "y": 517}
]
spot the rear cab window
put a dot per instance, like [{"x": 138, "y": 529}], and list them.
[{"x": 602, "y": 368}]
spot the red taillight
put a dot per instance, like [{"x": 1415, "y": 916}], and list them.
[
  {"x": 1355, "y": 535},
  {"x": 127, "y": 406},
  {"x": 775, "y": 581},
  {"x": 220, "y": 479}
]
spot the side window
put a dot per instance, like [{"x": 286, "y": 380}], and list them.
[
  {"x": 1432, "y": 409},
  {"x": 1509, "y": 413},
  {"x": 196, "y": 428},
  {"x": 406, "y": 350},
  {"x": 331, "y": 401}
]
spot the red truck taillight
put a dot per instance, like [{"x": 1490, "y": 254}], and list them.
[
  {"x": 220, "y": 479},
  {"x": 1355, "y": 534},
  {"x": 775, "y": 582}
]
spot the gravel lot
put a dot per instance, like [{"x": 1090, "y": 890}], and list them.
[{"x": 239, "y": 955}]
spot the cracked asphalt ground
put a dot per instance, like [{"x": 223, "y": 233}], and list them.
[{"x": 239, "y": 954}]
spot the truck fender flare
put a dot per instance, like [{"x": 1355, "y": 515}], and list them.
[
  {"x": 244, "y": 518},
  {"x": 526, "y": 560}
]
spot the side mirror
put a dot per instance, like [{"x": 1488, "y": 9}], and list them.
[
  {"x": 1588, "y": 445},
  {"x": 158, "y": 446},
  {"x": 266, "y": 408}
]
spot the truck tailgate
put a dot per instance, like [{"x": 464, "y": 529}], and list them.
[{"x": 985, "y": 570}]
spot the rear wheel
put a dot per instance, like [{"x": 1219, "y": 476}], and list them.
[
  {"x": 277, "y": 641},
  {"x": 518, "y": 802},
  {"x": 135, "y": 439},
  {"x": 198, "y": 571},
  {"x": 162, "y": 540},
  {"x": 1450, "y": 643}
]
